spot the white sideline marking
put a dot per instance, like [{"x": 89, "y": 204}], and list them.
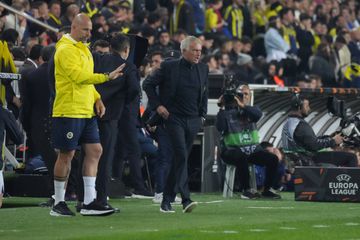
[
  {"x": 216, "y": 201},
  {"x": 230, "y": 232},
  {"x": 287, "y": 228},
  {"x": 321, "y": 226},
  {"x": 207, "y": 231},
  {"x": 352, "y": 224},
  {"x": 257, "y": 230},
  {"x": 272, "y": 207},
  {"x": 10, "y": 230},
  {"x": 149, "y": 230}
]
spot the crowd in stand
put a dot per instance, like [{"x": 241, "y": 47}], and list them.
[
  {"x": 308, "y": 43},
  {"x": 265, "y": 42}
]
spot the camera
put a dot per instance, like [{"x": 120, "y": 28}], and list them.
[{"x": 231, "y": 90}]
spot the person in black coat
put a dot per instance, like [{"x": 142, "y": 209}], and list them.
[
  {"x": 182, "y": 102},
  {"x": 8, "y": 123},
  {"x": 36, "y": 112},
  {"x": 115, "y": 95},
  {"x": 306, "y": 41}
]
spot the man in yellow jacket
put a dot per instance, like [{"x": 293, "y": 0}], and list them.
[{"x": 74, "y": 120}]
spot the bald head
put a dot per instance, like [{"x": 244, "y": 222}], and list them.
[{"x": 81, "y": 27}]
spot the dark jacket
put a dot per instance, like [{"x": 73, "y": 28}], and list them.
[
  {"x": 185, "y": 19},
  {"x": 298, "y": 135},
  {"x": 36, "y": 97},
  {"x": 166, "y": 78},
  {"x": 238, "y": 128},
  {"x": 116, "y": 93},
  {"x": 8, "y": 123}
]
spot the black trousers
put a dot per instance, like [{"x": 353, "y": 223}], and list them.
[
  {"x": 40, "y": 140},
  {"x": 128, "y": 146},
  {"x": 108, "y": 135},
  {"x": 181, "y": 131},
  {"x": 343, "y": 159},
  {"x": 241, "y": 161}
]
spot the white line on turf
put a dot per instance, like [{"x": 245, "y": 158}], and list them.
[
  {"x": 207, "y": 231},
  {"x": 272, "y": 207},
  {"x": 230, "y": 232},
  {"x": 320, "y": 226},
  {"x": 10, "y": 230},
  {"x": 257, "y": 230},
  {"x": 352, "y": 224},
  {"x": 287, "y": 228},
  {"x": 216, "y": 201}
]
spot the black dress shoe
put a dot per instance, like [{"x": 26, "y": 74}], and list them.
[
  {"x": 166, "y": 208},
  {"x": 189, "y": 206}
]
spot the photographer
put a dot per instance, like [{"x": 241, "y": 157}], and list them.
[
  {"x": 236, "y": 121},
  {"x": 301, "y": 143}
]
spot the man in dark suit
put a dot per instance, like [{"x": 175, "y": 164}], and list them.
[
  {"x": 182, "y": 102},
  {"x": 36, "y": 112},
  {"x": 115, "y": 95}
]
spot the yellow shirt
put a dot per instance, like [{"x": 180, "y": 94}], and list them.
[{"x": 211, "y": 20}]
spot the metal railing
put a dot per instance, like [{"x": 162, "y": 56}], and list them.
[{"x": 28, "y": 17}]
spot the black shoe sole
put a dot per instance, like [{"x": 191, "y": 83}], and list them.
[
  {"x": 165, "y": 211},
  {"x": 56, "y": 214},
  {"x": 89, "y": 212}
]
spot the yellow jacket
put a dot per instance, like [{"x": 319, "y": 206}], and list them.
[
  {"x": 211, "y": 20},
  {"x": 74, "y": 80}
]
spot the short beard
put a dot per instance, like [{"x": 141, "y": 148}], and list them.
[{"x": 304, "y": 115}]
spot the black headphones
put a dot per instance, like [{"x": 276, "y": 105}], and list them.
[{"x": 296, "y": 101}]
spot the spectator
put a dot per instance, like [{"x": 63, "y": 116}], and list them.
[
  {"x": 223, "y": 60},
  {"x": 156, "y": 59},
  {"x": 235, "y": 20},
  {"x": 54, "y": 14},
  {"x": 306, "y": 40},
  {"x": 101, "y": 46},
  {"x": 71, "y": 11},
  {"x": 199, "y": 8},
  {"x": 16, "y": 22},
  {"x": 212, "y": 64},
  {"x": 276, "y": 47},
  {"x": 213, "y": 18},
  {"x": 164, "y": 44},
  {"x": 323, "y": 65},
  {"x": 182, "y": 17},
  {"x": 354, "y": 46}
]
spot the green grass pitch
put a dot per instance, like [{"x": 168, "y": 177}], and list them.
[{"x": 214, "y": 218}]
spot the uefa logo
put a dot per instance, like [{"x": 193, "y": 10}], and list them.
[
  {"x": 343, "y": 186},
  {"x": 343, "y": 178}
]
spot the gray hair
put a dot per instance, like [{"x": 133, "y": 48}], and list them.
[{"x": 185, "y": 44}]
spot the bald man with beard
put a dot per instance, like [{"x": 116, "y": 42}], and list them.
[{"x": 74, "y": 120}]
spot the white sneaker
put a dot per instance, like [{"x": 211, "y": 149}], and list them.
[
  {"x": 178, "y": 200},
  {"x": 158, "y": 198}
]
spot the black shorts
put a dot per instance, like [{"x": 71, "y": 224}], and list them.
[{"x": 69, "y": 133}]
